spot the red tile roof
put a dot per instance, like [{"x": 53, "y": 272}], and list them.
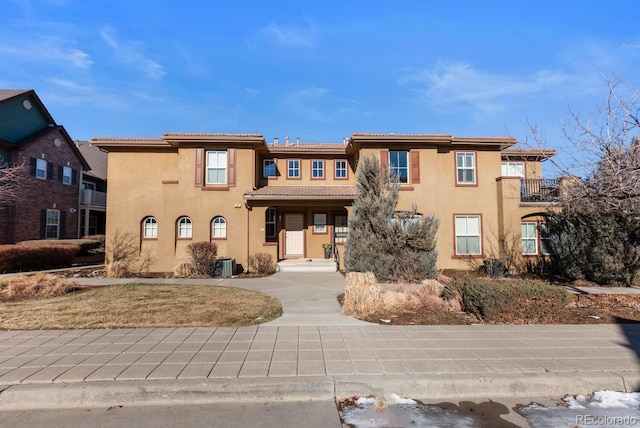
[{"x": 303, "y": 192}]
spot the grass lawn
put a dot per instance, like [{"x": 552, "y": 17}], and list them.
[{"x": 141, "y": 305}]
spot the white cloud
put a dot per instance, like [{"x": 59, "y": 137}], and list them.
[
  {"x": 458, "y": 86},
  {"x": 290, "y": 35},
  {"x": 129, "y": 52},
  {"x": 48, "y": 49},
  {"x": 305, "y": 102}
]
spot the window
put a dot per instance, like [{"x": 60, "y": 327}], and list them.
[
  {"x": 399, "y": 165},
  {"x": 529, "y": 236},
  {"x": 217, "y": 167},
  {"x": 52, "y": 230},
  {"x": 319, "y": 223},
  {"x": 317, "y": 169},
  {"x": 535, "y": 239},
  {"x": 185, "y": 228},
  {"x": 293, "y": 168},
  {"x": 513, "y": 169},
  {"x": 466, "y": 168},
  {"x": 88, "y": 185},
  {"x": 218, "y": 228},
  {"x": 150, "y": 228},
  {"x": 341, "y": 169},
  {"x": 270, "y": 223},
  {"x": 66, "y": 175},
  {"x": 468, "y": 239},
  {"x": 340, "y": 228},
  {"x": 41, "y": 169},
  {"x": 268, "y": 168}
]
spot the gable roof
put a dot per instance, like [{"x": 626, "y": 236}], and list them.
[{"x": 96, "y": 158}]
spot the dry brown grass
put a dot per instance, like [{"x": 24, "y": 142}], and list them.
[
  {"x": 34, "y": 286},
  {"x": 362, "y": 296},
  {"x": 142, "y": 305}
]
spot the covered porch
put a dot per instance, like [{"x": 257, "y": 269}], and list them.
[{"x": 300, "y": 223}]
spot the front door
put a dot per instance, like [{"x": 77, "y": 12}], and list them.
[{"x": 294, "y": 235}]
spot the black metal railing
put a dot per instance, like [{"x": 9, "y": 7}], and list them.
[{"x": 539, "y": 190}]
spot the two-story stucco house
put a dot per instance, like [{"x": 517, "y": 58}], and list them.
[{"x": 289, "y": 198}]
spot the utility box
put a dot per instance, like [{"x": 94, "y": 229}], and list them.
[{"x": 225, "y": 267}]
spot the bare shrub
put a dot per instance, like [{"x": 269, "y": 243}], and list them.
[
  {"x": 38, "y": 285},
  {"x": 393, "y": 301},
  {"x": 203, "y": 257},
  {"x": 183, "y": 270},
  {"x": 360, "y": 278},
  {"x": 361, "y": 300},
  {"x": 121, "y": 254},
  {"x": 262, "y": 263},
  {"x": 432, "y": 286}
]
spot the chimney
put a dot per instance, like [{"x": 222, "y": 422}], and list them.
[
  {"x": 345, "y": 140},
  {"x": 297, "y": 141},
  {"x": 275, "y": 141},
  {"x": 286, "y": 140}
]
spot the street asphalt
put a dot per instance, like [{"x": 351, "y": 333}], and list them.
[{"x": 311, "y": 353}]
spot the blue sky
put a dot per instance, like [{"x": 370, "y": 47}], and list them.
[{"x": 316, "y": 70}]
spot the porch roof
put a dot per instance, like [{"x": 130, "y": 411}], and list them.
[{"x": 302, "y": 193}]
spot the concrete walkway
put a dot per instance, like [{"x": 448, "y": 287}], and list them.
[{"x": 312, "y": 353}]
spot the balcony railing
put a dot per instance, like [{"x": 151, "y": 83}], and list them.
[
  {"x": 93, "y": 198},
  {"x": 539, "y": 190}
]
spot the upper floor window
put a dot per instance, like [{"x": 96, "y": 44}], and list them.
[
  {"x": 399, "y": 165},
  {"x": 217, "y": 167},
  {"x": 317, "y": 169},
  {"x": 218, "y": 228},
  {"x": 513, "y": 169},
  {"x": 52, "y": 230},
  {"x": 341, "y": 169},
  {"x": 150, "y": 228},
  {"x": 468, "y": 235},
  {"x": 465, "y": 168},
  {"x": 185, "y": 227},
  {"x": 41, "y": 169},
  {"x": 66, "y": 175},
  {"x": 268, "y": 168},
  {"x": 293, "y": 168}
]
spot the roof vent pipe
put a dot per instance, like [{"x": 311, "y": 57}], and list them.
[
  {"x": 297, "y": 141},
  {"x": 345, "y": 140},
  {"x": 286, "y": 140},
  {"x": 275, "y": 141}
]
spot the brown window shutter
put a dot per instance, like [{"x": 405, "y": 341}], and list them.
[
  {"x": 415, "y": 166},
  {"x": 232, "y": 166},
  {"x": 384, "y": 161},
  {"x": 199, "y": 167}
]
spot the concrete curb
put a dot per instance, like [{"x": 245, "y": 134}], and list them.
[{"x": 317, "y": 388}]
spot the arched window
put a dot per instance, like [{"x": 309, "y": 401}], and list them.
[
  {"x": 185, "y": 228},
  {"x": 218, "y": 228},
  {"x": 150, "y": 228}
]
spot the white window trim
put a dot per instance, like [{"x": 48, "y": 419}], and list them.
[
  {"x": 508, "y": 166},
  {"x": 51, "y": 224},
  {"x": 185, "y": 228},
  {"x": 336, "y": 168},
  {"x": 67, "y": 175},
  {"x": 222, "y": 229},
  {"x": 150, "y": 228},
  {"x": 291, "y": 168},
  {"x": 41, "y": 165},
  {"x": 466, "y": 168},
  {"x": 393, "y": 169},
  {"x": 317, "y": 166},
  {"x": 459, "y": 235},
  {"x": 216, "y": 167},
  {"x": 529, "y": 238}
]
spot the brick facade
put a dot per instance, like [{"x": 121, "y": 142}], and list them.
[{"x": 23, "y": 221}]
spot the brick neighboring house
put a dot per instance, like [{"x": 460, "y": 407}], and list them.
[
  {"x": 289, "y": 198},
  {"x": 47, "y": 207}
]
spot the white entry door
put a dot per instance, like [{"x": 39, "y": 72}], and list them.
[{"x": 294, "y": 235}]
